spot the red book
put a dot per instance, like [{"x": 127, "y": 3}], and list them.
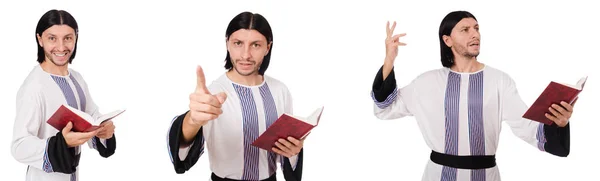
[
  {"x": 287, "y": 125},
  {"x": 82, "y": 122},
  {"x": 553, "y": 94}
]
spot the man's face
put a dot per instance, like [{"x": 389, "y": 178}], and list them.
[
  {"x": 58, "y": 43},
  {"x": 247, "y": 48},
  {"x": 464, "y": 38}
]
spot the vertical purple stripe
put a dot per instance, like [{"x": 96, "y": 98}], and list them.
[
  {"x": 250, "y": 125},
  {"x": 270, "y": 117},
  {"x": 71, "y": 101},
  {"x": 451, "y": 103},
  {"x": 476, "y": 132},
  {"x": 66, "y": 90},
  {"x": 80, "y": 93}
]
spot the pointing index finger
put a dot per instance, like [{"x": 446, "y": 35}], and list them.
[{"x": 200, "y": 81}]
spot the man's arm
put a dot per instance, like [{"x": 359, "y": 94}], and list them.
[
  {"x": 184, "y": 153},
  {"x": 390, "y": 102},
  {"x": 549, "y": 138},
  {"x": 292, "y": 167},
  {"x": 106, "y": 147},
  {"x": 48, "y": 154}
]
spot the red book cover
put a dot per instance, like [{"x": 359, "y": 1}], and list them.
[
  {"x": 553, "y": 94},
  {"x": 82, "y": 122},
  {"x": 287, "y": 125}
]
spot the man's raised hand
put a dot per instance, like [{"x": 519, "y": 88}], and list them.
[{"x": 203, "y": 105}]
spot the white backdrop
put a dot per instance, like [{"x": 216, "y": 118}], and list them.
[{"x": 142, "y": 56}]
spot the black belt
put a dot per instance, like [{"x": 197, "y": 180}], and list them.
[
  {"x": 464, "y": 162},
  {"x": 214, "y": 177}
]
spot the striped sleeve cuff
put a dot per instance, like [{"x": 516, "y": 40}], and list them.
[
  {"x": 541, "y": 137},
  {"x": 95, "y": 142},
  {"x": 388, "y": 101},
  {"x": 196, "y": 149},
  {"x": 556, "y": 140},
  {"x": 169, "y": 145},
  {"x": 384, "y": 92},
  {"x": 47, "y": 166}
]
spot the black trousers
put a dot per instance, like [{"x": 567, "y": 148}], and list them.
[{"x": 214, "y": 177}]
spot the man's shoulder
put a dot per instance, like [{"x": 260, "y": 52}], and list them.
[
  {"x": 496, "y": 73},
  {"x": 75, "y": 73},
  {"x": 434, "y": 73},
  {"x": 219, "y": 84},
  {"x": 274, "y": 83},
  {"x": 34, "y": 82}
]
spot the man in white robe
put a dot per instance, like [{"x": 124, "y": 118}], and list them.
[
  {"x": 460, "y": 108},
  {"x": 51, "y": 154},
  {"x": 229, "y": 114}
]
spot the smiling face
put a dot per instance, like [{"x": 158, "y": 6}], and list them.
[
  {"x": 58, "y": 43},
  {"x": 464, "y": 39},
  {"x": 247, "y": 49}
]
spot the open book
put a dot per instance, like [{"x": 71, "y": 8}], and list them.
[
  {"x": 553, "y": 94},
  {"x": 288, "y": 125},
  {"x": 82, "y": 122}
]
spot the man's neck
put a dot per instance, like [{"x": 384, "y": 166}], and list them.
[
  {"x": 466, "y": 65},
  {"x": 250, "y": 80},
  {"x": 51, "y": 68}
]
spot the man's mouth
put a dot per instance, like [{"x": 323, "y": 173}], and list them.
[{"x": 60, "y": 54}]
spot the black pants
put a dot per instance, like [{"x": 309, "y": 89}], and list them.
[{"x": 214, "y": 177}]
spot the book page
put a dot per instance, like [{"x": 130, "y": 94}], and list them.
[
  {"x": 314, "y": 118},
  {"x": 81, "y": 114},
  {"x": 108, "y": 116},
  {"x": 581, "y": 82},
  {"x": 578, "y": 86}
]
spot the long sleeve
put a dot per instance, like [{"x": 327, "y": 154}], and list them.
[
  {"x": 182, "y": 162},
  {"x": 390, "y": 102},
  {"x": 548, "y": 138},
  {"x": 292, "y": 167},
  {"x": 48, "y": 154},
  {"x": 105, "y": 147}
]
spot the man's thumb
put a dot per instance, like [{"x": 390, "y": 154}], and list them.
[
  {"x": 68, "y": 127},
  {"x": 221, "y": 97}
]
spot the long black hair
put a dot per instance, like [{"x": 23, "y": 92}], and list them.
[
  {"x": 49, "y": 19},
  {"x": 448, "y": 23},
  {"x": 250, "y": 21}
]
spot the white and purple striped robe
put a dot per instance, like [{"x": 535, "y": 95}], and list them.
[
  {"x": 462, "y": 114},
  {"x": 34, "y": 140},
  {"x": 247, "y": 112}
]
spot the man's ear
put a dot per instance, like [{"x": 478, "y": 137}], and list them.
[
  {"x": 268, "y": 48},
  {"x": 447, "y": 40},
  {"x": 39, "y": 38}
]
